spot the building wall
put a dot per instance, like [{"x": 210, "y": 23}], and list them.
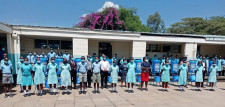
[
  {"x": 121, "y": 49},
  {"x": 93, "y": 46},
  {"x": 212, "y": 49}
]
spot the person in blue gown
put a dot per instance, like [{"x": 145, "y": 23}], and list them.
[
  {"x": 39, "y": 77},
  {"x": 131, "y": 77},
  {"x": 212, "y": 75}
]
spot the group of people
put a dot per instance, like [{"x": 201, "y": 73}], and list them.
[{"x": 92, "y": 69}]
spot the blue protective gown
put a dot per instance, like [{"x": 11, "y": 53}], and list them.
[
  {"x": 220, "y": 65},
  {"x": 39, "y": 77},
  {"x": 199, "y": 74},
  {"x": 52, "y": 76},
  {"x": 65, "y": 74},
  {"x": 131, "y": 78},
  {"x": 26, "y": 75},
  {"x": 114, "y": 73},
  {"x": 212, "y": 74},
  {"x": 19, "y": 73},
  {"x": 166, "y": 73},
  {"x": 183, "y": 75}
]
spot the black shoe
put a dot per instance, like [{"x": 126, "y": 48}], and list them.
[
  {"x": 21, "y": 91},
  {"x": 54, "y": 93},
  {"x": 166, "y": 90},
  {"x": 80, "y": 92},
  {"x": 51, "y": 93},
  {"x": 6, "y": 95},
  {"x": 131, "y": 91},
  {"x": 146, "y": 89},
  {"x": 75, "y": 87},
  {"x": 63, "y": 93},
  {"x": 84, "y": 92},
  {"x": 10, "y": 95},
  {"x": 115, "y": 91},
  {"x": 98, "y": 91},
  {"x": 141, "y": 89},
  {"x": 40, "y": 94},
  {"x": 101, "y": 87},
  {"x": 94, "y": 91},
  {"x": 89, "y": 87},
  {"x": 25, "y": 95},
  {"x": 28, "y": 95}
]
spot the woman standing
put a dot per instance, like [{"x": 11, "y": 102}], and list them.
[
  {"x": 145, "y": 69},
  {"x": 52, "y": 76},
  {"x": 39, "y": 77},
  {"x": 199, "y": 75},
  {"x": 212, "y": 75},
  {"x": 65, "y": 76},
  {"x": 27, "y": 80},
  {"x": 124, "y": 69},
  {"x": 165, "y": 75},
  {"x": 131, "y": 78},
  {"x": 19, "y": 73},
  {"x": 183, "y": 75},
  {"x": 114, "y": 69}
]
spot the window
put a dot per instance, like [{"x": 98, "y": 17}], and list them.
[
  {"x": 54, "y": 44},
  {"x": 153, "y": 48},
  {"x": 166, "y": 48},
  {"x": 39, "y": 43},
  {"x": 66, "y": 44},
  {"x": 175, "y": 49}
]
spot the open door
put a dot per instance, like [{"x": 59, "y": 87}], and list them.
[{"x": 105, "y": 48}]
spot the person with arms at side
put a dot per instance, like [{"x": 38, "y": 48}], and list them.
[
  {"x": 52, "y": 76},
  {"x": 183, "y": 70},
  {"x": 212, "y": 75},
  {"x": 96, "y": 66},
  {"x": 73, "y": 71},
  {"x": 19, "y": 73},
  {"x": 39, "y": 76},
  {"x": 145, "y": 69},
  {"x": 123, "y": 70},
  {"x": 104, "y": 71},
  {"x": 82, "y": 68},
  {"x": 165, "y": 72},
  {"x": 89, "y": 71},
  {"x": 131, "y": 78},
  {"x": 65, "y": 76},
  {"x": 114, "y": 69},
  {"x": 51, "y": 54}
]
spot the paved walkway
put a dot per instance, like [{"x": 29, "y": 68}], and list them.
[{"x": 154, "y": 97}]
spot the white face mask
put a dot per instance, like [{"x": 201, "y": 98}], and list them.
[{"x": 146, "y": 60}]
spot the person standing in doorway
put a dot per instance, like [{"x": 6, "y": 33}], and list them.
[{"x": 104, "y": 71}]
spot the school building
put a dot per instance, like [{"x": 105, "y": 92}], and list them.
[{"x": 20, "y": 39}]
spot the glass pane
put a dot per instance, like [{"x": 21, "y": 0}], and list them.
[
  {"x": 54, "y": 44},
  {"x": 66, "y": 44},
  {"x": 39, "y": 43}
]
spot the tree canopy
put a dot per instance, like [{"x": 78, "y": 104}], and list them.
[
  {"x": 198, "y": 25},
  {"x": 156, "y": 23}
]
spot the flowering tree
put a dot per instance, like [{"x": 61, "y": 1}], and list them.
[{"x": 108, "y": 19}]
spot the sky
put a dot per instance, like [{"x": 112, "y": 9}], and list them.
[{"x": 66, "y": 13}]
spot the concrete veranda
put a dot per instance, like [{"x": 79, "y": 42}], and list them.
[{"x": 154, "y": 97}]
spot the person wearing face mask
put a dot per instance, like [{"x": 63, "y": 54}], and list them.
[
  {"x": 145, "y": 69},
  {"x": 2, "y": 53},
  {"x": 131, "y": 78},
  {"x": 163, "y": 61},
  {"x": 30, "y": 57},
  {"x": 104, "y": 71},
  {"x": 59, "y": 55},
  {"x": 220, "y": 65},
  {"x": 5, "y": 56},
  {"x": 177, "y": 58},
  {"x": 123, "y": 70},
  {"x": 51, "y": 54},
  {"x": 165, "y": 75},
  {"x": 66, "y": 55},
  {"x": 73, "y": 71},
  {"x": 204, "y": 64},
  {"x": 89, "y": 71},
  {"x": 96, "y": 66},
  {"x": 43, "y": 55},
  {"x": 115, "y": 58},
  {"x": 39, "y": 77},
  {"x": 82, "y": 68},
  {"x": 199, "y": 75},
  {"x": 65, "y": 76},
  {"x": 212, "y": 75},
  {"x": 93, "y": 57},
  {"x": 27, "y": 80},
  {"x": 19, "y": 73},
  {"x": 122, "y": 60},
  {"x": 6, "y": 70},
  {"x": 183, "y": 70},
  {"x": 52, "y": 76},
  {"x": 35, "y": 56},
  {"x": 114, "y": 69}
]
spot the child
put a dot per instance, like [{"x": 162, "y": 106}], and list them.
[
  {"x": 183, "y": 75},
  {"x": 65, "y": 76},
  {"x": 114, "y": 69},
  {"x": 6, "y": 69},
  {"x": 124, "y": 69},
  {"x": 82, "y": 68},
  {"x": 19, "y": 73},
  {"x": 165, "y": 75},
  {"x": 96, "y": 66},
  {"x": 27, "y": 80},
  {"x": 131, "y": 78},
  {"x": 39, "y": 77},
  {"x": 199, "y": 75},
  {"x": 52, "y": 76},
  {"x": 212, "y": 75}
]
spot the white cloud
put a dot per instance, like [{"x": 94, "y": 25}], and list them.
[
  {"x": 84, "y": 15},
  {"x": 108, "y": 4}
]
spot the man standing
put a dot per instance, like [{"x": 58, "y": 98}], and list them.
[
  {"x": 51, "y": 54},
  {"x": 66, "y": 55},
  {"x": 73, "y": 71},
  {"x": 89, "y": 70},
  {"x": 104, "y": 71}
]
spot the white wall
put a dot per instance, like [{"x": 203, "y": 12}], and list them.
[
  {"x": 212, "y": 50},
  {"x": 121, "y": 49},
  {"x": 139, "y": 49}
]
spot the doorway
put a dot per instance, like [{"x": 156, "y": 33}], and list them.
[{"x": 105, "y": 48}]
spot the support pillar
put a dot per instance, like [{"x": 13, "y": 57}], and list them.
[
  {"x": 190, "y": 50},
  {"x": 80, "y": 47},
  {"x": 138, "y": 49}
]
